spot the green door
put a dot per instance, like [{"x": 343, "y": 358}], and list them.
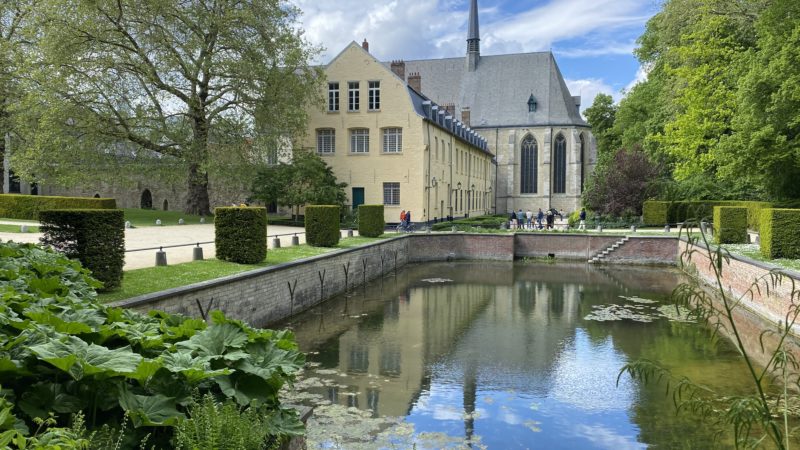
[{"x": 358, "y": 197}]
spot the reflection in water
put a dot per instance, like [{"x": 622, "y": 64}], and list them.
[{"x": 500, "y": 355}]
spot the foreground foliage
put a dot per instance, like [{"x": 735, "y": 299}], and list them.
[
  {"x": 62, "y": 353},
  {"x": 767, "y": 413}
]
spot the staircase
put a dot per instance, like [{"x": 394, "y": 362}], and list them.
[{"x": 598, "y": 257}]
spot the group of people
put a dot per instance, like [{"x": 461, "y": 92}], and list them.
[
  {"x": 543, "y": 220},
  {"x": 405, "y": 219}
]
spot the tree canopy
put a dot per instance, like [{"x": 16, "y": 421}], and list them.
[{"x": 187, "y": 84}]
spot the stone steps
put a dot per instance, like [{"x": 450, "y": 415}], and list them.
[{"x": 598, "y": 257}]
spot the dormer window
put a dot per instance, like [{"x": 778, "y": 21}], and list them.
[{"x": 531, "y": 104}]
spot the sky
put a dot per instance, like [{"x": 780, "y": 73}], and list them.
[{"x": 592, "y": 40}]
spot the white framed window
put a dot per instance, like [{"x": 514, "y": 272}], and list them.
[
  {"x": 374, "y": 98},
  {"x": 359, "y": 140},
  {"x": 391, "y": 193},
  {"x": 333, "y": 96},
  {"x": 326, "y": 141},
  {"x": 352, "y": 96},
  {"x": 392, "y": 140}
]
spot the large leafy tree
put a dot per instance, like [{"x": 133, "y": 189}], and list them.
[
  {"x": 305, "y": 180},
  {"x": 620, "y": 187},
  {"x": 601, "y": 116},
  {"x": 184, "y": 83}
]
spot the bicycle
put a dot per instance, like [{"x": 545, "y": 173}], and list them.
[{"x": 410, "y": 228}]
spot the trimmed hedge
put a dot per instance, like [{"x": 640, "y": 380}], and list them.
[
  {"x": 657, "y": 213},
  {"x": 27, "y": 207},
  {"x": 322, "y": 225},
  {"x": 730, "y": 225},
  {"x": 95, "y": 237},
  {"x": 240, "y": 234},
  {"x": 370, "y": 220},
  {"x": 492, "y": 222},
  {"x": 780, "y": 233}
]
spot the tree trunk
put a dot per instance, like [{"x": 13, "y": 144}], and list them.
[{"x": 197, "y": 201}]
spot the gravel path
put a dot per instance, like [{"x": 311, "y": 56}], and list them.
[{"x": 150, "y": 237}]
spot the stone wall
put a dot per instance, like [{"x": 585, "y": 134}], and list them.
[
  {"x": 645, "y": 250},
  {"x": 267, "y": 295}
]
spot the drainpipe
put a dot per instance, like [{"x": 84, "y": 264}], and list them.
[
  {"x": 496, "y": 167},
  {"x": 428, "y": 180},
  {"x": 550, "y": 178}
]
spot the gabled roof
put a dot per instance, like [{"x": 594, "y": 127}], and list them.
[{"x": 498, "y": 90}]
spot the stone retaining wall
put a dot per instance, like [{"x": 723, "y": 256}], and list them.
[
  {"x": 267, "y": 295},
  {"x": 645, "y": 250}
]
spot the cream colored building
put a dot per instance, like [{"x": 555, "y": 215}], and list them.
[{"x": 395, "y": 147}]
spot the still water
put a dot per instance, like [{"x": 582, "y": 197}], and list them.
[{"x": 504, "y": 356}]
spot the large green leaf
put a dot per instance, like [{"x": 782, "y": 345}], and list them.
[
  {"x": 194, "y": 369},
  {"x": 46, "y": 397},
  {"x": 215, "y": 340},
  {"x": 79, "y": 359},
  {"x": 151, "y": 410},
  {"x": 246, "y": 389}
]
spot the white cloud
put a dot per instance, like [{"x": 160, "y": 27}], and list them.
[
  {"x": 588, "y": 89},
  {"x": 641, "y": 75}
]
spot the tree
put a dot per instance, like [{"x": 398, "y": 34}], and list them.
[
  {"x": 306, "y": 180},
  {"x": 165, "y": 81},
  {"x": 601, "y": 116},
  {"x": 621, "y": 187}
]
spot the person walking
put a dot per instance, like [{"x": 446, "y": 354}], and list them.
[
  {"x": 539, "y": 218},
  {"x": 520, "y": 219},
  {"x": 403, "y": 218},
  {"x": 512, "y": 220},
  {"x": 529, "y": 219},
  {"x": 582, "y": 216},
  {"x": 408, "y": 219}
]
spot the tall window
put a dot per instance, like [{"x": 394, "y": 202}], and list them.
[
  {"x": 391, "y": 194},
  {"x": 583, "y": 155},
  {"x": 560, "y": 165},
  {"x": 352, "y": 96},
  {"x": 529, "y": 166},
  {"x": 359, "y": 140},
  {"x": 374, "y": 95},
  {"x": 393, "y": 140},
  {"x": 333, "y": 96},
  {"x": 326, "y": 141}
]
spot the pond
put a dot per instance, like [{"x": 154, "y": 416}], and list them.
[{"x": 505, "y": 355}]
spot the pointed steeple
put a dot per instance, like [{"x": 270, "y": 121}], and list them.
[{"x": 473, "y": 37}]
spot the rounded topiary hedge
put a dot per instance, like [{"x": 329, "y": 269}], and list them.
[
  {"x": 27, "y": 207},
  {"x": 322, "y": 225},
  {"x": 95, "y": 237},
  {"x": 370, "y": 220},
  {"x": 780, "y": 233},
  {"x": 240, "y": 234},
  {"x": 730, "y": 224}
]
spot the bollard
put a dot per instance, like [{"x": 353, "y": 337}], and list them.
[
  {"x": 197, "y": 253},
  {"x": 703, "y": 228},
  {"x": 158, "y": 221},
  {"x": 128, "y": 224},
  {"x": 295, "y": 240},
  {"x": 599, "y": 228},
  {"x": 202, "y": 220},
  {"x": 666, "y": 228},
  {"x": 633, "y": 228},
  {"x": 454, "y": 229},
  {"x": 23, "y": 228},
  {"x": 349, "y": 233},
  {"x": 180, "y": 221},
  {"x": 161, "y": 257},
  {"x": 276, "y": 243}
]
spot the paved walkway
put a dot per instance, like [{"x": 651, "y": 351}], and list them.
[{"x": 150, "y": 237}]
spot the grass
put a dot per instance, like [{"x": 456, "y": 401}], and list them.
[
  {"x": 7, "y": 228},
  {"x": 752, "y": 251},
  {"x": 153, "y": 279},
  {"x": 147, "y": 217}
]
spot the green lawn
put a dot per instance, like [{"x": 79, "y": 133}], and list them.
[
  {"x": 147, "y": 217},
  {"x": 153, "y": 279},
  {"x": 6, "y": 228},
  {"x": 752, "y": 251}
]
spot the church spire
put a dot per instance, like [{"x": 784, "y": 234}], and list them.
[{"x": 473, "y": 37}]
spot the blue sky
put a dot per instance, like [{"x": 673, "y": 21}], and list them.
[{"x": 593, "y": 40}]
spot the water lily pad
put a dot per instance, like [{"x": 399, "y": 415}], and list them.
[{"x": 437, "y": 280}]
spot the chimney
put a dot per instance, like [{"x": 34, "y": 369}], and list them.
[
  {"x": 399, "y": 68},
  {"x": 450, "y": 108},
  {"x": 365, "y": 45},
  {"x": 415, "y": 81},
  {"x": 465, "y": 115}
]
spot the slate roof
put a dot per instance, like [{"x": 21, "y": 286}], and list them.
[{"x": 498, "y": 90}]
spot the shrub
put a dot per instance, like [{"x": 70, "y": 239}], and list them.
[
  {"x": 655, "y": 213},
  {"x": 95, "y": 237},
  {"x": 27, "y": 207},
  {"x": 370, "y": 220},
  {"x": 780, "y": 233},
  {"x": 240, "y": 234},
  {"x": 730, "y": 224},
  {"x": 754, "y": 213},
  {"x": 322, "y": 225}
]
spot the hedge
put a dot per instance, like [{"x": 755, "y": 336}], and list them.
[
  {"x": 370, "y": 220},
  {"x": 95, "y": 237},
  {"x": 27, "y": 207},
  {"x": 657, "y": 213},
  {"x": 492, "y": 222},
  {"x": 322, "y": 225},
  {"x": 780, "y": 233},
  {"x": 730, "y": 225},
  {"x": 240, "y": 234}
]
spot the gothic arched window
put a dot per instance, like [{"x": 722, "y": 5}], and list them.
[
  {"x": 529, "y": 166},
  {"x": 560, "y": 165},
  {"x": 583, "y": 161}
]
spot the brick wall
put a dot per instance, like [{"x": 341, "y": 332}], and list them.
[
  {"x": 567, "y": 246},
  {"x": 438, "y": 247},
  {"x": 646, "y": 250}
]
